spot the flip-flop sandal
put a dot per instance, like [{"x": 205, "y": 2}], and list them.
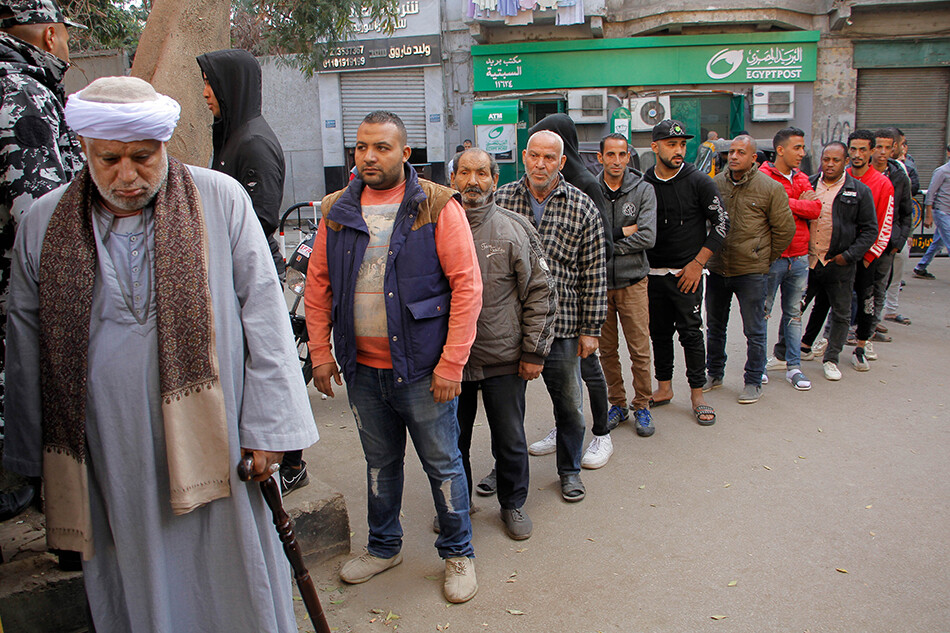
[
  {"x": 659, "y": 403},
  {"x": 704, "y": 409},
  {"x": 572, "y": 488},
  {"x": 898, "y": 318},
  {"x": 486, "y": 487}
]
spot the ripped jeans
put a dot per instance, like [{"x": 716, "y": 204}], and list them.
[
  {"x": 384, "y": 411},
  {"x": 791, "y": 275}
]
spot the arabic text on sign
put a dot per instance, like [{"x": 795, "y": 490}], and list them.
[
  {"x": 406, "y": 8},
  {"x": 776, "y": 56}
]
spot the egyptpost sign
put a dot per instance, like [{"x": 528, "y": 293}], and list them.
[{"x": 647, "y": 61}]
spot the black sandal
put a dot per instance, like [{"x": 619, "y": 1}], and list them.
[
  {"x": 704, "y": 409},
  {"x": 572, "y": 488}
]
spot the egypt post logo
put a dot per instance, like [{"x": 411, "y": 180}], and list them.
[
  {"x": 496, "y": 132},
  {"x": 732, "y": 57}
]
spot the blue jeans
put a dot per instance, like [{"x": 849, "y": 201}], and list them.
[
  {"x": 384, "y": 411},
  {"x": 562, "y": 379},
  {"x": 750, "y": 291},
  {"x": 790, "y": 274},
  {"x": 941, "y": 235}
]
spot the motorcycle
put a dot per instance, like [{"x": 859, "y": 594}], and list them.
[{"x": 296, "y": 280}]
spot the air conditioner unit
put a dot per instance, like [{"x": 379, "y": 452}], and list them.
[
  {"x": 647, "y": 112},
  {"x": 587, "y": 106},
  {"x": 773, "y": 102}
]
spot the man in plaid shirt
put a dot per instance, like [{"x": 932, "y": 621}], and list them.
[{"x": 572, "y": 237}]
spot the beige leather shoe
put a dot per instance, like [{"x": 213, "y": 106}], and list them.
[
  {"x": 460, "y": 584},
  {"x": 365, "y": 566}
]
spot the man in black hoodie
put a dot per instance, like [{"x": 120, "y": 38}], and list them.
[
  {"x": 246, "y": 148},
  {"x": 686, "y": 200}
]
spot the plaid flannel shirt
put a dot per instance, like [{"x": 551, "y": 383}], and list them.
[{"x": 573, "y": 238}]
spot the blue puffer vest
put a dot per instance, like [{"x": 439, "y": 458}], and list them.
[{"x": 416, "y": 290}]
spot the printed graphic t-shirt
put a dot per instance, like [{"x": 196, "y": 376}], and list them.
[{"x": 369, "y": 303}]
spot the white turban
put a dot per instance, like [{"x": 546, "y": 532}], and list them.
[{"x": 122, "y": 109}]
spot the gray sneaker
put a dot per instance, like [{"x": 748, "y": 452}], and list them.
[
  {"x": 460, "y": 583},
  {"x": 750, "y": 394},
  {"x": 365, "y": 566},
  {"x": 712, "y": 383},
  {"x": 517, "y": 523}
]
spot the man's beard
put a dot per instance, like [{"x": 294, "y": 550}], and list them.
[
  {"x": 140, "y": 201},
  {"x": 669, "y": 162},
  {"x": 484, "y": 197}
]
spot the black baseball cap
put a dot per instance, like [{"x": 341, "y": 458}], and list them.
[
  {"x": 33, "y": 12},
  {"x": 669, "y": 128}
]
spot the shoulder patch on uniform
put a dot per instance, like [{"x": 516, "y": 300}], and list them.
[{"x": 33, "y": 131}]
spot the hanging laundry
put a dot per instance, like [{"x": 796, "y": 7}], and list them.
[
  {"x": 570, "y": 14},
  {"x": 547, "y": 4},
  {"x": 566, "y": 3},
  {"x": 528, "y": 4},
  {"x": 487, "y": 5},
  {"x": 522, "y": 19},
  {"x": 508, "y": 7}
]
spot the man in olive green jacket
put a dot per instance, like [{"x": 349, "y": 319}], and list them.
[{"x": 761, "y": 227}]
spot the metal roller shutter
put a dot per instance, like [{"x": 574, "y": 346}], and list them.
[
  {"x": 400, "y": 91},
  {"x": 914, "y": 99}
]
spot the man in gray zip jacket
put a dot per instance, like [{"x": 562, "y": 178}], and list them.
[
  {"x": 631, "y": 207},
  {"x": 515, "y": 331}
]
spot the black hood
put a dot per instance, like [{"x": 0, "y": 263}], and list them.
[
  {"x": 563, "y": 126},
  {"x": 235, "y": 78}
]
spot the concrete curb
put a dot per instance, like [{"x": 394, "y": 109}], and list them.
[{"x": 35, "y": 596}]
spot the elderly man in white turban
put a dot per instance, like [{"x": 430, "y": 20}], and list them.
[{"x": 148, "y": 349}]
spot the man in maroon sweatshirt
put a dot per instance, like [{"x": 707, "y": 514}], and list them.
[{"x": 790, "y": 271}]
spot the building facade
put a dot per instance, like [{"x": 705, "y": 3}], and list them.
[{"x": 457, "y": 70}]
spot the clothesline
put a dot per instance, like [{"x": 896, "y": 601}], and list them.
[{"x": 521, "y": 12}]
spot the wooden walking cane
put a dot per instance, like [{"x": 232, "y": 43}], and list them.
[{"x": 285, "y": 530}]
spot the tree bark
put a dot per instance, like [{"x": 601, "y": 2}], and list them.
[{"x": 177, "y": 32}]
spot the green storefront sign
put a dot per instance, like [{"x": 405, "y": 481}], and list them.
[
  {"x": 647, "y": 61},
  {"x": 496, "y": 133}
]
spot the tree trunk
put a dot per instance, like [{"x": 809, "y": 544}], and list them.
[{"x": 177, "y": 32}]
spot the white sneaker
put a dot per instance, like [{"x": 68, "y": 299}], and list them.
[
  {"x": 859, "y": 360},
  {"x": 831, "y": 371},
  {"x": 765, "y": 379},
  {"x": 869, "y": 351},
  {"x": 546, "y": 446},
  {"x": 819, "y": 347},
  {"x": 598, "y": 452},
  {"x": 773, "y": 363}
]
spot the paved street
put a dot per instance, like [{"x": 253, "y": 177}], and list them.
[{"x": 823, "y": 511}]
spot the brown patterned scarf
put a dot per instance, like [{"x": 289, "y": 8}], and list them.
[{"x": 196, "y": 436}]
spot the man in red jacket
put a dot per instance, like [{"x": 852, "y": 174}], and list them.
[
  {"x": 790, "y": 271},
  {"x": 876, "y": 265}
]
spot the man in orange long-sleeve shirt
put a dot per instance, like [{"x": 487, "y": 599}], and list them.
[{"x": 394, "y": 275}]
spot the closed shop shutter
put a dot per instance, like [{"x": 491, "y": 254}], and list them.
[
  {"x": 402, "y": 92},
  {"x": 914, "y": 99}
]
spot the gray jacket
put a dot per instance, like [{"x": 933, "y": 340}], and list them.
[
  {"x": 519, "y": 302},
  {"x": 633, "y": 203}
]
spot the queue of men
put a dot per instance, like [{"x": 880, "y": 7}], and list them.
[{"x": 156, "y": 341}]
